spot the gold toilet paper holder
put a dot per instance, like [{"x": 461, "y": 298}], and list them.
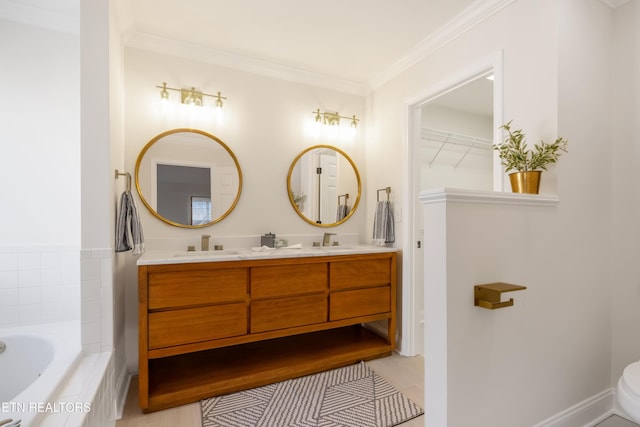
[{"x": 489, "y": 294}]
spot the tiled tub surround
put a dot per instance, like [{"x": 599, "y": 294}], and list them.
[
  {"x": 39, "y": 284},
  {"x": 45, "y": 285},
  {"x": 37, "y": 386}
]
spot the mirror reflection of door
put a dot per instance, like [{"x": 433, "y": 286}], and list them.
[
  {"x": 323, "y": 185},
  {"x": 319, "y": 176},
  {"x": 225, "y": 187},
  {"x": 327, "y": 186}
]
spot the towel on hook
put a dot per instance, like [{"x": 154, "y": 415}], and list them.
[
  {"x": 383, "y": 224},
  {"x": 128, "y": 228},
  {"x": 342, "y": 212}
]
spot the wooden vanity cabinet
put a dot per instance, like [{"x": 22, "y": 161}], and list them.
[{"x": 211, "y": 328}]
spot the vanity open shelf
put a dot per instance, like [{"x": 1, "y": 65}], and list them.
[{"x": 211, "y": 328}]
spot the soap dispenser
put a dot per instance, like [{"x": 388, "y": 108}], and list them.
[{"x": 269, "y": 239}]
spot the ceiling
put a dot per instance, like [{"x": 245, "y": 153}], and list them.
[
  {"x": 360, "y": 43},
  {"x": 352, "y": 40}
]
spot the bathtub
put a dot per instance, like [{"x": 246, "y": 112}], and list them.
[{"x": 33, "y": 365}]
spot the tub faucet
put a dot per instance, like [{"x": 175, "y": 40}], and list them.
[
  {"x": 205, "y": 242},
  {"x": 326, "y": 238}
]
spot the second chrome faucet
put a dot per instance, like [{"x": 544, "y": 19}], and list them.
[
  {"x": 326, "y": 238},
  {"x": 204, "y": 242}
]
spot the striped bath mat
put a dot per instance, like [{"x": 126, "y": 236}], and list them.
[{"x": 350, "y": 396}]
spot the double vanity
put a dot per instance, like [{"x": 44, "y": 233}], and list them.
[{"x": 216, "y": 322}]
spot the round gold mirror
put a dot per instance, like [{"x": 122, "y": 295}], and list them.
[
  {"x": 188, "y": 178},
  {"x": 324, "y": 186}
]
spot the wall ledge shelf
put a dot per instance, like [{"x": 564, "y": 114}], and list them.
[{"x": 454, "y": 195}]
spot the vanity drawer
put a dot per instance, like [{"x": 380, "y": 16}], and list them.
[
  {"x": 288, "y": 280},
  {"x": 197, "y": 287},
  {"x": 176, "y": 327},
  {"x": 360, "y": 302},
  {"x": 282, "y": 313},
  {"x": 360, "y": 273}
]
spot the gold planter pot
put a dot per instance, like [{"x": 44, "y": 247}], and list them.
[{"x": 525, "y": 182}]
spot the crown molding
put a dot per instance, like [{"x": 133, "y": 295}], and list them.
[
  {"x": 158, "y": 44},
  {"x": 47, "y": 15},
  {"x": 614, "y": 3},
  {"x": 473, "y": 15}
]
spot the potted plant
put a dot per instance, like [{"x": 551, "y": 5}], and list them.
[{"x": 528, "y": 163}]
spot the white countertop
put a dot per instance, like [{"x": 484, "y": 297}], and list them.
[{"x": 183, "y": 257}]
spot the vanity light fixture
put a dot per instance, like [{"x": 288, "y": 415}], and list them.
[
  {"x": 333, "y": 119},
  {"x": 190, "y": 96}
]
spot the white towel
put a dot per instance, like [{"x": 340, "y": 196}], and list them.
[
  {"x": 342, "y": 212},
  {"x": 383, "y": 231},
  {"x": 263, "y": 248},
  {"x": 128, "y": 228},
  {"x": 296, "y": 246}
]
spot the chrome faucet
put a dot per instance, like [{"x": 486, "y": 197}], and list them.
[
  {"x": 326, "y": 238},
  {"x": 205, "y": 242}
]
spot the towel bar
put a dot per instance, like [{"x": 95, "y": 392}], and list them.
[
  {"x": 128, "y": 175},
  {"x": 386, "y": 189}
]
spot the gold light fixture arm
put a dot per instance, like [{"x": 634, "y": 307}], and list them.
[
  {"x": 333, "y": 119},
  {"x": 190, "y": 96}
]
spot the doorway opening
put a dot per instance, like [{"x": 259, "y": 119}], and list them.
[{"x": 451, "y": 130}]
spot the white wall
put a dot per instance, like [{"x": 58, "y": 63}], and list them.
[
  {"x": 40, "y": 171},
  {"x": 520, "y": 366},
  {"x": 626, "y": 198},
  {"x": 40, "y": 136},
  {"x": 266, "y": 125}
]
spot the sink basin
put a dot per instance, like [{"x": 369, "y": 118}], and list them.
[{"x": 204, "y": 254}]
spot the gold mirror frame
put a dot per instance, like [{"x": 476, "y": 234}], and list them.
[
  {"x": 290, "y": 194},
  {"x": 214, "y": 139}
]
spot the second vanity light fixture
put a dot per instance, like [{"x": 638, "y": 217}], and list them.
[
  {"x": 333, "y": 119},
  {"x": 190, "y": 96}
]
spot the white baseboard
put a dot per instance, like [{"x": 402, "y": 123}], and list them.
[
  {"x": 587, "y": 413},
  {"x": 121, "y": 391}
]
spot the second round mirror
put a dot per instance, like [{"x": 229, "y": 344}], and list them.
[{"x": 324, "y": 185}]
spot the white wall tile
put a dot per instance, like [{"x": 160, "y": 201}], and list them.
[
  {"x": 9, "y": 279},
  {"x": 8, "y": 297},
  {"x": 51, "y": 276},
  {"x": 90, "y": 269},
  {"x": 9, "y": 315},
  {"x": 29, "y": 261},
  {"x": 8, "y": 261},
  {"x": 29, "y": 278},
  {"x": 29, "y": 296},
  {"x": 30, "y": 314}
]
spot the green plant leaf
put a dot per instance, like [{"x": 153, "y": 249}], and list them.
[{"x": 514, "y": 154}]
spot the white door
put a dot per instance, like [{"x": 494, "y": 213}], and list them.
[{"x": 225, "y": 189}]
